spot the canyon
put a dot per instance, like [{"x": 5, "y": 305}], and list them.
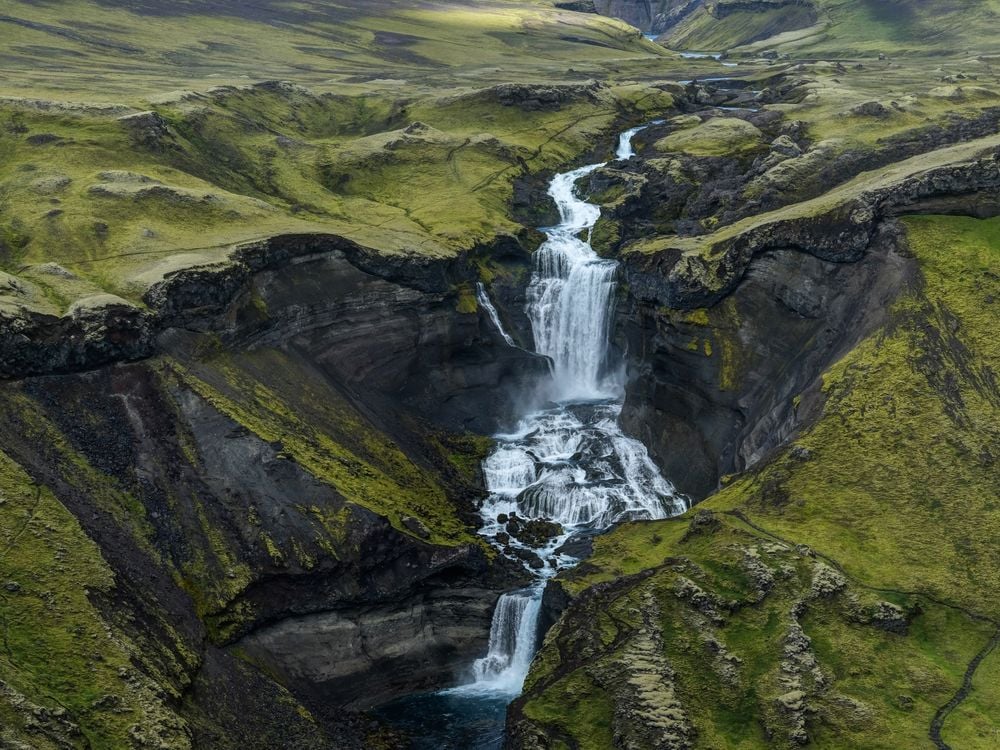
[{"x": 658, "y": 398}]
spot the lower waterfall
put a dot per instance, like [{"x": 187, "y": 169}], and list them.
[{"x": 567, "y": 463}]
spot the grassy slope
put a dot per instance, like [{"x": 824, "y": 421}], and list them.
[
  {"x": 59, "y": 651},
  {"x": 847, "y": 28},
  {"x": 238, "y": 163},
  {"x": 898, "y": 489}
]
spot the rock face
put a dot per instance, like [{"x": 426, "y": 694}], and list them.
[
  {"x": 296, "y": 455},
  {"x": 712, "y": 393},
  {"x": 716, "y": 388}
]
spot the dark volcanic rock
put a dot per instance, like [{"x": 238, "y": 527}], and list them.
[
  {"x": 326, "y": 297},
  {"x": 535, "y": 532},
  {"x": 705, "y": 415},
  {"x": 714, "y": 394}
]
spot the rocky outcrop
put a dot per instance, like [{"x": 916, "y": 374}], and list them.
[{"x": 649, "y": 662}]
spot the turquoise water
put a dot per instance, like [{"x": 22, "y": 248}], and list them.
[{"x": 450, "y": 721}]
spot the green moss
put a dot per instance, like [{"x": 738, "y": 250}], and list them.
[
  {"x": 467, "y": 304},
  {"x": 576, "y": 702},
  {"x": 878, "y": 689},
  {"x": 897, "y": 487},
  {"x": 697, "y": 317},
  {"x": 902, "y": 458},
  {"x": 719, "y": 136},
  {"x": 58, "y": 649}
]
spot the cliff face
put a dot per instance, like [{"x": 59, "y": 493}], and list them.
[
  {"x": 722, "y": 357},
  {"x": 282, "y": 496},
  {"x": 652, "y": 16},
  {"x": 740, "y": 290},
  {"x": 713, "y": 391}
]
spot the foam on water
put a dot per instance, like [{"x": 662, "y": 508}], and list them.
[{"x": 570, "y": 462}]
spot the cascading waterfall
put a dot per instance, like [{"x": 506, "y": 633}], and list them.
[
  {"x": 570, "y": 462},
  {"x": 487, "y": 303}
]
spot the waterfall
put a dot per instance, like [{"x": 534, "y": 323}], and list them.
[
  {"x": 570, "y": 462},
  {"x": 487, "y": 303},
  {"x": 512, "y": 643}
]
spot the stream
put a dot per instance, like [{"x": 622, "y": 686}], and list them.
[{"x": 567, "y": 462}]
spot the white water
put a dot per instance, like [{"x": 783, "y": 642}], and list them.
[
  {"x": 487, "y": 303},
  {"x": 570, "y": 462}
]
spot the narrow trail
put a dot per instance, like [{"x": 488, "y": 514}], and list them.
[{"x": 941, "y": 715}]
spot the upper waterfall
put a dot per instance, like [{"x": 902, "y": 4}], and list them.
[{"x": 570, "y": 297}]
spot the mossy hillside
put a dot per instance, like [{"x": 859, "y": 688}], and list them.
[
  {"x": 703, "y": 30},
  {"x": 718, "y": 136},
  {"x": 724, "y": 637},
  {"x": 59, "y": 651},
  {"x": 853, "y": 108},
  {"x": 104, "y": 50},
  {"x": 115, "y": 216},
  {"x": 842, "y": 28},
  {"x": 901, "y": 27}
]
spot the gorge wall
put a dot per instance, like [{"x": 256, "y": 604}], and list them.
[{"x": 287, "y": 479}]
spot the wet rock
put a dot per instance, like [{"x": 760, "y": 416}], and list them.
[
  {"x": 536, "y": 532},
  {"x": 871, "y": 109},
  {"x": 416, "y": 526},
  {"x": 531, "y": 559},
  {"x": 579, "y": 546}
]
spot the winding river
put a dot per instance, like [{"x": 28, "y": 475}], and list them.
[{"x": 568, "y": 462}]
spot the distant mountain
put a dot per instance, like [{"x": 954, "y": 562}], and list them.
[{"x": 821, "y": 26}]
